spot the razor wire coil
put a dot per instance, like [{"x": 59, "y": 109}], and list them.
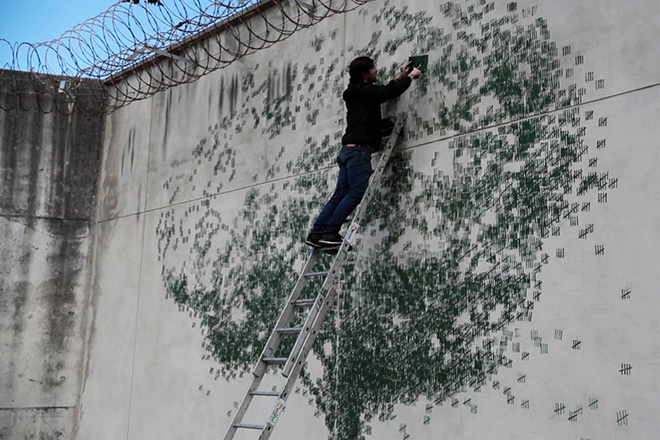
[{"x": 137, "y": 48}]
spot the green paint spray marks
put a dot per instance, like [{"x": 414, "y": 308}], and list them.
[{"x": 449, "y": 260}]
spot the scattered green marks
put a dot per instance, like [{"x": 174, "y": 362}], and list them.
[
  {"x": 278, "y": 115},
  {"x": 315, "y": 155},
  {"x": 518, "y": 74},
  {"x": 484, "y": 58},
  {"x": 371, "y": 49},
  {"x": 248, "y": 82},
  {"x": 417, "y": 28},
  {"x": 178, "y": 289},
  {"x": 401, "y": 18},
  {"x": 222, "y": 157},
  {"x": 308, "y": 73},
  {"x": 311, "y": 117},
  {"x": 255, "y": 116},
  {"x": 317, "y": 42}
]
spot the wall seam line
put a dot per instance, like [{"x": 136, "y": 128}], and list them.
[
  {"x": 139, "y": 287},
  {"x": 527, "y": 118},
  {"x": 34, "y": 408},
  {"x": 38, "y": 217},
  {"x": 90, "y": 319},
  {"x": 412, "y": 147}
]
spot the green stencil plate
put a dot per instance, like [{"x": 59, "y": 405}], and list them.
[{"x": 420, "y": 61}]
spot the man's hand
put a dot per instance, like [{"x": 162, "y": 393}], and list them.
[
  {"x": 415, "y": 73},
  {"x": 408, "y": 70},
  {"x": 405, "y": 71}
]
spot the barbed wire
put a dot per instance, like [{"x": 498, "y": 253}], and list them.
[{"x": 137, "y": 48}]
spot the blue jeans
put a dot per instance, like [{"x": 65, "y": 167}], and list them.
[{"x": 354, "y": 172}]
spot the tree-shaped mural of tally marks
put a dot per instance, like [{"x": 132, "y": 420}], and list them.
[
  {"x": 451, "y": 253},
  {"x": 457, "y": 249}
]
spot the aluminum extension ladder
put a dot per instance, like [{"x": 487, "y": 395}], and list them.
[{"x": 318, "y": 308}]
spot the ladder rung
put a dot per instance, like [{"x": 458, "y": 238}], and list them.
[
  {"x": 316, "y": 274},
  {"x": 248, "y": 426},
  {"x": 275, "y": 360},
  {"x": 307, "y": 302},
  {"x": 265, "y": 393},
  {"x": 289, "y": 330}
]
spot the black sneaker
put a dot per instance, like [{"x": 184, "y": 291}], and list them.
[
  {"x": 331, "y": 239},
  {"x": 313, "y": 240}
]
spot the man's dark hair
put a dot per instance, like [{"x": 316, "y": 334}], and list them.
[{"x": 359, "y": 67}]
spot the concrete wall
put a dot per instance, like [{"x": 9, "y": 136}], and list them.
[
  {"x": 48, "y": 169},
  {"x": 506, "y": 282}
]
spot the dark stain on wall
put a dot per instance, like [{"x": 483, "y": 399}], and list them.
[
  {"x": 28, "y": 164},
  {"x": 168, "y": 109},
  {"x": 233, "y": 94},
  {"x": 221, "y": 95},
  {"x": 48, "y": 170},
  {"x": 24, "y": 421}
]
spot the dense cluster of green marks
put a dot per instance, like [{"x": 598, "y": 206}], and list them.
[
  {"x": 238, "y": 291},
  {"x": 413, "y": 322}
]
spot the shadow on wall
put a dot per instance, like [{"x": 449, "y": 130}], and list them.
[{"x": 456, "y": 247}]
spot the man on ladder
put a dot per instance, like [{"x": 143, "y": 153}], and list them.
[{"x": 363, "y": 136}]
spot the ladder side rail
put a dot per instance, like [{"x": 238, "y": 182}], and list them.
[
  {"x": 319, "y": 304},
  {"x": 376, "y": 176},
  {"x": 270, "y": 347},
  {"x": 243, "y": 407},
  {"x": 286, "y": 314},
  {"x": 297, "y": 366}
]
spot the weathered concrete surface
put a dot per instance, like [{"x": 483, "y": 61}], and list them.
[
  {"x": 48, "y": 169},
  {"x": 506, "y": 283}
]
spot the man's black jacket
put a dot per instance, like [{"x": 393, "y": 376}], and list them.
[{"x": 363, "y": 104}]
